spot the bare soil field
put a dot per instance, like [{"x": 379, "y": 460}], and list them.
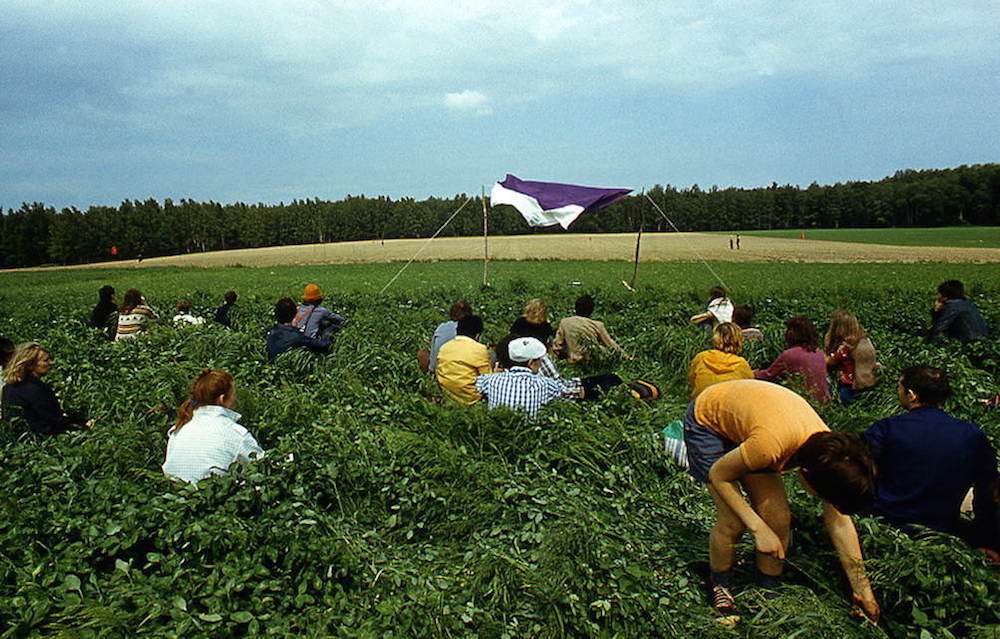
[{"x": 671, "y": 247}]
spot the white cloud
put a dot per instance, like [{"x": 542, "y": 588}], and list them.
[{"x": 468, "y": 101}]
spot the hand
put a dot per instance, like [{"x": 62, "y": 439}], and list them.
[
  {"x": 938, "y": 304},
  {"x": 88, "y": 424},
  {"x": 992, "y": 556},
  {"x": 867, "y": 606},
  {"x": 769, "y": 544}
]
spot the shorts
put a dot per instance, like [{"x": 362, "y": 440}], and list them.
[{"x": 705, "y": 447}]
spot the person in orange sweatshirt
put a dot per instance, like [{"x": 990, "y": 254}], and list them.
[{"x": 721, "y": 363}]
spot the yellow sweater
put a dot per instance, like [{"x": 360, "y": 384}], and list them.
[
  {"x": 714, "y": 366},
  {"x": 459, "y": 362}
]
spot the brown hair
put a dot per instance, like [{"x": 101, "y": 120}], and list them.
[
  {"x": 716, "y": 292},
  {"x": 840, "y": 468},
  {"x": 536, "y": 311},
  {"x": 132, "y": 299},
  {"x": 183, "y": 306},
  {"x": 6, "y": 351},
  {"x": 929, "y": 384},
  {"x": 205, "y": 391},
  {"x": 844, "y": 329},
  {"x": 727, "y": 337},
  {"x": 742, "y": 315},
  {"x": 19, "y": 366},
  {"x": 459, "y": 310},
  {"x": 800, "y": 332}
]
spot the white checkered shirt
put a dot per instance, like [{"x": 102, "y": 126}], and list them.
[{"x": 519, "y": 389}]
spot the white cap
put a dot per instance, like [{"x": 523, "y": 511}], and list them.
[{"x": 523, "y": 349}]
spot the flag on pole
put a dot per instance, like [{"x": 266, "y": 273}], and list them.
[{"x": 551, "y": 203}]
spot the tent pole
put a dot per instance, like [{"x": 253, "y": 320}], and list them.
[
  {"x": 486, "y": 238},
  {"x": 638, "y": 240}
]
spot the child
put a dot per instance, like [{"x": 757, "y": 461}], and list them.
[
  {"x": 849, "y": 350},
  {"x": 184, "y": 314},
  {"x": 800, "y": 356},
  {"x": 721, "y": 363},
  {"x": 720, "y": 309}
]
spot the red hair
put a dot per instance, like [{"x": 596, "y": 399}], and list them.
[{"x": 205, "y": 391}]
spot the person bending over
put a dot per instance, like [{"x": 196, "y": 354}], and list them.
[
  {"x": 25, "y": 395},
  {"x": 461, "y": 360},
  {"x": 742, "y": 434},
  {"x": 284, "y": 337},
  {"x": 955, "y": 317},
  {"x": 720, "y": 309}
]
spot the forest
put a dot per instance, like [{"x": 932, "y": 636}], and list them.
[{"x": 36, "y": 234}]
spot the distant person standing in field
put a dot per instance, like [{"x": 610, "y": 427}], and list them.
[
  {"x": 224, "y": 314},
  {"x": 955, "y": 317},
  {"x": 105, "y": 314},
  {"x": 719, "y": 364},
  {"x": 850, "y": 355},
  {"x": 801, "y": 356},
  {"x": 445, "y": 332},
  {"x": 184, "y": 314},
  {"x": 461, "y": 360},
  {"x": 720, "y": 309},
  {"x": 25, "y": 395},
  {"x": 133, "y": 315},
  {"x": 579, "y": 333},
  {"x": 314, "y": 319},
  {"x": 207, "y": 440},
  {"x": 284, "y": 337},
  {"x": 737, "y": 241}
]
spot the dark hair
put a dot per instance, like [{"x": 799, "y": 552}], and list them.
[
  {"x": 6, "y": 350},
  {"x": 503, "y": 354},
  {"x": 800, "y": 332},
  {"x": 470, "y": 326},
  {"x": 205, "y": 390},
  {"x": 105, "y": 293},
  {"x": 459, "y": 310},
  {"x": 840, "y": 468},
  {"x": 230, "y": 297},
  {"x": 952, "y": 290},
  {"x": 132, "y": 299},
  {"x": 716, "y": 291},
  {"x": 584, "y": 306},
  {"x": 285, "y": 310},
  {"x": 742, "y": 315},
  {"x": 929, "y": 384}
]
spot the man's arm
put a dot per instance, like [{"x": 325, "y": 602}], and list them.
[
  {"x": 845, "y": 541},
  {"x": 604, "y": 337},
  {"x": 724, "y": 478}
]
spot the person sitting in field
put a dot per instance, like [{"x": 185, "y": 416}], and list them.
[
  {"x": 461, "y": 360},
  {"x": 743, "y": 317},
  {"x": 850, "y": 355},
  {"x": 800, "y": 356},
  {"x": 721, "y": 363},
  {"x": 105, "y": 314},
  {"x": 743, "y": 433},
  {"x": 588, "y": 388},
  {"x": 720, "y": 309},
  {"x": 284, "y": 337},
  {"x": 207, "y": 440},
  {"x": 534, "y": 322},
  {"x": 445, "y": 332},
  {"x": 224, "y": 314},
  {"x": 312, "y": 318},
  {"x": 25, "y": 395},
  {"x": 184, "y": 314},
  {"x": 955, "y": 317},
  {"x": 133, "y": 316},
  {"x": 579, "y": 333},
  {"x": 927, "y": 460},
  {"x": 520, "y": 387}
]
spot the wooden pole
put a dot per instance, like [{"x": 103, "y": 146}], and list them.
[
  {"x": 486, "y": 239},
  {"x": 638, "y": 240}
]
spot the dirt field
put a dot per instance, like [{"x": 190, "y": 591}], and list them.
[{"x": 675, "y": 247}]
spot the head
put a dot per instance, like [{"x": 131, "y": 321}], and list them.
[
  {"x": 715, "y": 292},
  {"x": 923, "y": 385},
  {"x": 503, "y": 352},
  {"x": 584, "y": 306},
  {"x": 951, "y": 290},
  {"x": 727, "y": 337},
  {"x": 106, "y": 294},
  {"x": 839, "y": 468},
  {"x": 526, "y": 351},
  {"x": 799, "y": 331},
  {"x": 743, "y": 316},
  {"x": 844, "y": 328},
  {"x": 312, "y": 294},
  {"x": 212, "y": 387},
  {"x": 6, "y": 351},
  {"x": 459, "y": 310},
  {"x": 230, "y": 297},
  {"x": 132, "y": 299},
  {"x": 28, "y": 360},
  {"x": 470, "y": 326},
  {"x": 536, "y": 311},
  {"x": 284, "y": 310},
  {"x": 183, "y": 307}
]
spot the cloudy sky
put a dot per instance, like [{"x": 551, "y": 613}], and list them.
[{"x": 268, "y": 101}]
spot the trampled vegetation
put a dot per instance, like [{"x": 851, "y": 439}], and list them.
[{"x": 399, "y": 515}]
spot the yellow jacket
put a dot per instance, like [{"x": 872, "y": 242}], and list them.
[
  {"x": 459, "y": 362},
  {"x": 714, "y": 366}
]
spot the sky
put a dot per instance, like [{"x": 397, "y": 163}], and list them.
[{"x": 268, "y": 101}]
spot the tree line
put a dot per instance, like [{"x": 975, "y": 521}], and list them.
[{"x": 36, "y": 234}]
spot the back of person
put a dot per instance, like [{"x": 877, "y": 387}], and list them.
[
  {"x": 864, "y": 364},
  {"x": 208, "y": 445},
  {"x": 714, "y": 366},
  {"x": 461, "y": 360}
]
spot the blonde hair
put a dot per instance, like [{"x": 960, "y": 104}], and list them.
[
  {"x": 21, "y": 362},
  {"x": 727, "y": 337},
  {"x": 844, "y": 329},
  {"x": 536, "y": 311},
  {"x": 205, "y": 391}
]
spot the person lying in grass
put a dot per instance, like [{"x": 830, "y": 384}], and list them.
[
  {"x": 207, "y": 440},
  {"x": 25, "y": 395},
  {"x": 741, "y": 435}
]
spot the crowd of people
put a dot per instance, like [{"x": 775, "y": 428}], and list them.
[{"x": 740, "y": 430}]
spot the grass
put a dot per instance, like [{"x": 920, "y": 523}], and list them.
[{"x": 950, "y": 236}]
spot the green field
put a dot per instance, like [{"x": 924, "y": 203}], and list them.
[
  {"x": 957, "y": 236},
  {"x": 404, "y": 516}
]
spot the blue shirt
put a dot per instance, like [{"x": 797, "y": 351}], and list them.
[
  {"x": 283, "y": 338},
  {"x": 445, "y": 332},
  {"x": 316, "y": 320},
  {"x": 926, "y": 461},
  {"x": 958, "y": 319}
]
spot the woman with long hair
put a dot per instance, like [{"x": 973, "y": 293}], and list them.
[
  {"x": 25, "y": 395},
  {"x": 534, "y": 322},
  {"x": 850, "y": 354},
  {"x": 721, "y": 363},
  {"x": 801, "y": 356},
  {"x": 133, "y": 315},
  {"x": 206, "y": 439}
]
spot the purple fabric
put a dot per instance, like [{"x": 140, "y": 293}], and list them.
[
  {"x": 552, "y": 195},
  {"x": 810, "y": 364}
]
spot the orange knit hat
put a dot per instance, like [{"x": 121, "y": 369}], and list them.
[{"x": 311, "y": 293}]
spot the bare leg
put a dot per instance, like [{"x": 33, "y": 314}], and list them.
[
  {"x": 767, "y": 496},
  {"x": 725, "y": 535}
]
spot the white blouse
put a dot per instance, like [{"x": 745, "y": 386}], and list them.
[{"x": 208, "y": 445}]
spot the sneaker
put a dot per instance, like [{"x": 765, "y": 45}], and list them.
[{"x": 722, "y": 601}]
